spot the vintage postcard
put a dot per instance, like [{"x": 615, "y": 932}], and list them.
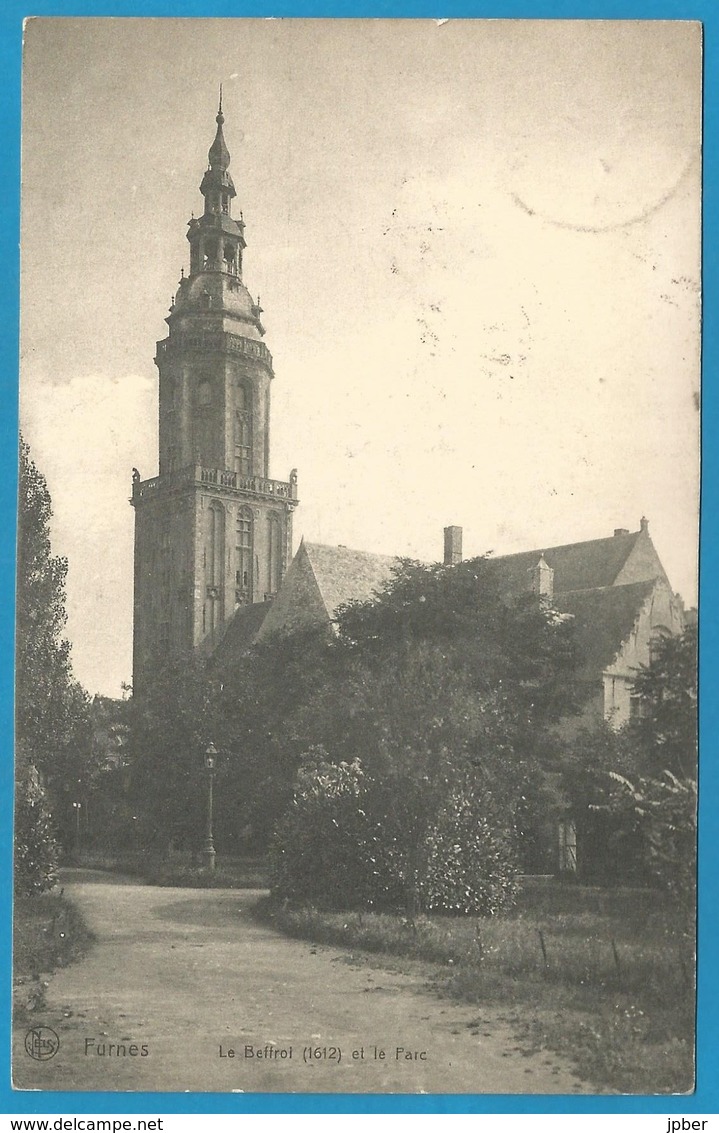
[{"x": 357, "y": 563}]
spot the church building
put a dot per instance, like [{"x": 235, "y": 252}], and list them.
[{"x": 213, "y": 531}]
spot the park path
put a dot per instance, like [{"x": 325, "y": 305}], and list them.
[{"x": 189, "y": 974}]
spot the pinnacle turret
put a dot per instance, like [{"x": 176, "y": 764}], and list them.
[{"x": 216, "y": 239}]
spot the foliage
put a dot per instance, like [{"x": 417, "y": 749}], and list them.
[
  {"x": 435, "y": 681},
  {"x": 442, "y": 693},
  {"x": 519, "y": 652},
  {"x": 36, "y": 849},
  {"x": 664, "y": 728},
  {"x": 320, "y": 846},
  {"x": 633, "y": 791},
  {"x": 101, "y": 783},
  {"x": 170, "y": 726},
  {"x": 438, "y": 681},
  {"x": 52, "y": 710},
  {"x": 662, "y": 812},
  {"x": 471, "y": 864},
  {"x": 349, "y": 840},
  {"x": 257, "y": 705}
]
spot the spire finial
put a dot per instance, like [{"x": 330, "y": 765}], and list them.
[{"x": 219, "y": 156}]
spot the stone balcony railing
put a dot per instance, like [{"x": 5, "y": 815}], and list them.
[
  {"x": 217, "y": 477},
  {"x": 213, "y": 341}
]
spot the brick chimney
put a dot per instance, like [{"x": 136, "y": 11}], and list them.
[
  {"x": 452, "y": 546},
  {"x": 541, "y": 579},
  {"x": 621, "y": 531},
  {"x": 644, "y": 524}
]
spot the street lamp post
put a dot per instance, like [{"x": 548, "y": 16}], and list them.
[
  {"x": 77, "y": 807},
  {"x": 208, "y": 852}
]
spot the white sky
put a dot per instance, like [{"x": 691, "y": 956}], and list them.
[{"x": 477, "y": 247}]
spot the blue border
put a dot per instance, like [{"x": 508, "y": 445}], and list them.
[{"x": 706, "y": 1098}]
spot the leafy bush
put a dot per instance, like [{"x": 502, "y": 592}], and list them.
[
  {"x": 470, "y": 865},
  {"x": 663, "y": 812},
  {"x": 318, "y": 848},
  {"x": 36, "y": 850},
  {"x": 350, "y": 841}
]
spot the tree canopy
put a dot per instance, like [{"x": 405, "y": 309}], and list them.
[
  {"x": 52, "y": 710},
  {"x": 443, "y": 695}
]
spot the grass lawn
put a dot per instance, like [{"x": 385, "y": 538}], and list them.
[
  {"x": 182, "y": 870},
  {"x": 48, "y": 933},
  {"x": 606, "y": 977}
]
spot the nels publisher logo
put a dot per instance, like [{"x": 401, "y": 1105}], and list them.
[{"x": 41, "y": 1043}]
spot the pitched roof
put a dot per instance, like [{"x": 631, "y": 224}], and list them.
[
  {"x": 580, "y": 566},
  {"x": 241, "y": 631},
  {"x": 343, "y": 574},
  {"x": 604, "y": 619}
]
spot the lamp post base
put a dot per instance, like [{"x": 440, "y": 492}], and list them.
[{"x": 208, "y": 858}]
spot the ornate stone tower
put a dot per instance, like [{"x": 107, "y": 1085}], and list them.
[{"x": 212, "y": 531}]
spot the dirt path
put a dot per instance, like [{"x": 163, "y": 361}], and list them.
[{"x": 187, "y": 976}]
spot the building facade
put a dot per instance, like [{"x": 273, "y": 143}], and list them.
[
  {"x": 213, "y": 530},
  {"x": 614, "y": 589}
]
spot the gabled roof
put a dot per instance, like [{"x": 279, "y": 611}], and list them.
[
  {"x": 603, "y": 583},
  {"x": 604, "y": 618},
  {"x": 343, "y": 575},
  {"x": 319, "y": 579},
  {"x": 596, "y": 563},
  {"x": 241, "y": 632}
]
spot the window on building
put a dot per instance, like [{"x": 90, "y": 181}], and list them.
[
  {"x": 214, "y": 567},
  {"x": 243, "y": 432},
  {"x": 203, "y": 426},
  {"x": 274, "y": 555},
  {"x": 210, "y": 256},
  {"x": 243, "y": 556}
]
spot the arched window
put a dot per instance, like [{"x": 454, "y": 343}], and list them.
[
  {"x": 202, "y": 424},
  {"x": 230, "y": 258},
  {"x": 274, "y": 554},
  {"x": 243, "y": 431},
  {"x": 243, "y": 556},
  {"x": 210, "y": 255},
  {"x": 214, "y": 567}
]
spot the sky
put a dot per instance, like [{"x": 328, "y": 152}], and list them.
[{"x": 477, "y": 246}]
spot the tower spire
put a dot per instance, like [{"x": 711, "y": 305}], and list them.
[
  {"x": 216, "y": 240},
  {"x": 219, "y": 155},
  {"x": 215, "y": 533}
]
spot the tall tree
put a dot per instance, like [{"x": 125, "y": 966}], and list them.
[
  {"x": 43, "y": 656},
  {"x": 665, "y": 726},
  {"x": 633, "y": 792},
  {"x": 442, "y": 692},
  {"x": 52, "y": 712}
]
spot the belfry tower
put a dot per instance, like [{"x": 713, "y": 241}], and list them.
[{"x": 213, "y": 532}]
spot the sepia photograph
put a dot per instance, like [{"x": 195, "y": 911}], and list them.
[{"x": 358, "y": 529}]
